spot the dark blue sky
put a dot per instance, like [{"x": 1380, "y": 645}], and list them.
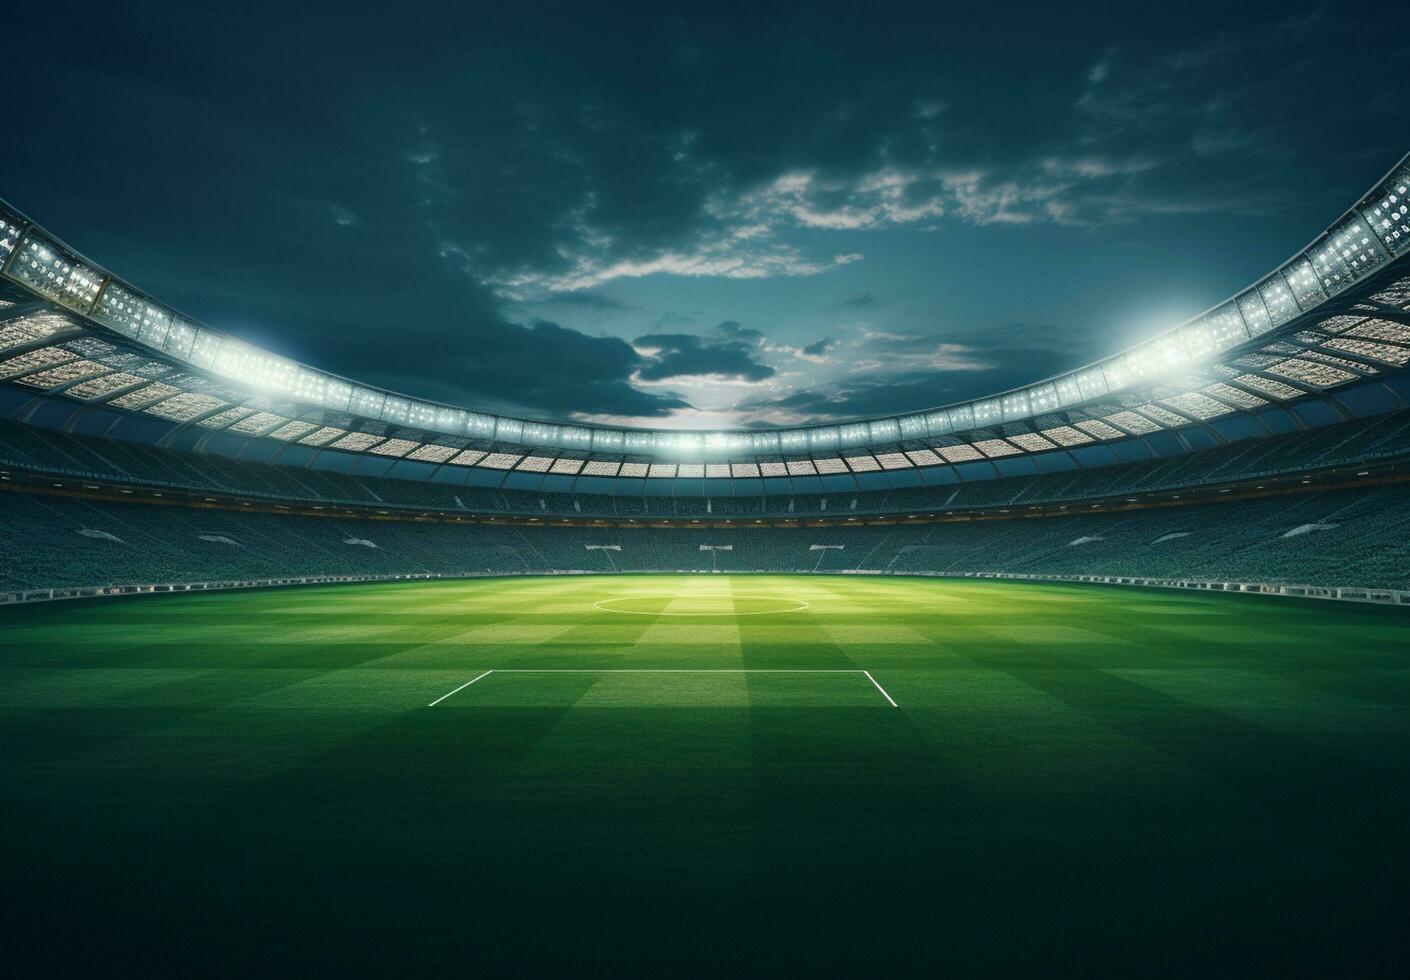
[{"x": 748, "y": 214}]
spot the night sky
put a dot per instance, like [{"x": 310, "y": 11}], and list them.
[{"x": 708, "y": 215}]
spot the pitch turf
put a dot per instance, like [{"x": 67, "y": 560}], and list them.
[{"x": 1076, "y": 778}]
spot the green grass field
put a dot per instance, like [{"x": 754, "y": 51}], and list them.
[{"x": 706, "y": 774}]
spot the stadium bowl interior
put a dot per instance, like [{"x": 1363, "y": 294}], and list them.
[{"x": 439, "y": 687}]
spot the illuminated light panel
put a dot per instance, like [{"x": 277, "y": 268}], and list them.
[
  {"x": 566, "y": 467},
  {"x": 1066, "y": 435},
  {"x": 913, "y": 427},
  {"x": 356, "y": 442},
  {"x": 322, "y": 436},
  {"x": 1238, "y": 396},
  {"x": 1312, "y": 373},
  {"x": 633, "y": 470},
  {"x": 744, "y": 470},
  {"x": 601, "y": 467},
  {"x": 994, "y": 448},
  {"x": 366, "y": 402},
  {"x": 535, "y": 464},
  {"x": 1133, "y": 422},
  {"x": 773, "y": 469},
  {"x": 481, "y": 426},
  {"x": 662, "y": 470},
  {"x": 1302, "y": 279},
  {"x": 1043, "y": 398},
  {"x": 433, "y": 453},
  {"x": 862, "y": 464},
  {"x": 1345, "y": 255},
  {"x": 394, "y": 447},
  {"x": 64, "y": 374},
  {"x": 1068, "y": 392},
  {"x": 1278, "y": 300},
  {"x": 292, "y": 431},
  {"x": 185, "y": 406},
  {"x": 894, "y": 461},
  {"x": 1226, "y": 327},
  {"x": 1198, "y": 406},
  {"x": 921, "y": 457},
  {"x": 961, "y": 418},
  {"x": 106, "y": 385},
  {"x": 1092, "y": 383},
  {"x": 500, "y": 461},
  {"x": 1255, "y": 314},
  {"x": 206, "y": 348},
  {"x": 1270, "y": 386},
  {"x": 988, "y": 412},
  {"x": 258, "y": 423},
  {"x": 1163, "y": 416},
  {"x": 32, "y": 329},
  {"x": 1399, "y": 356},
  {"x": 155, "y": 391},
  {"x": 467, "y": 457},
  {"x": 1030, "y": 441},
  {"x": 10, "y": 232},
  {"x": 180, "y": 338},
  {"x": 1016, "y": 406},
  {"x": 829, "y": 465},
  {"x": 1388, "y": 212},
  {"x": 336, "y": 394},
  {"x": 227, "y": 417},
  {"x": 691, "y": 471},
  {"x": 54, "y": 274},
  {"x": 716, "y": 471},
  {"x": 1099, "y": 429},
  {"x": 801, "y": 467},
  {"x": 959, "y": 454},
  {"x": 35, "y": 360}
]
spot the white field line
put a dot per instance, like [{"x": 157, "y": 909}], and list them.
[
  {"x": 880, "y": 688},
  {"x": 670, "y": 670},
  {"x": 458, "y": 689}
]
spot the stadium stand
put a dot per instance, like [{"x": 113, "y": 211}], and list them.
[
  {"x": 1354, "y": 443},
  {"x": 1346, "y": 537}
]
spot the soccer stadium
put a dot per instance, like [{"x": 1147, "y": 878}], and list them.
[{"x": 1107, "y": 672}]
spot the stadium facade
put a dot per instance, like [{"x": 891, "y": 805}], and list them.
[{"x": 1279, "y": 415}]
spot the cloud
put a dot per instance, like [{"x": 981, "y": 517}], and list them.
[
  {"x": 819, "y": 347},
  {"x": 863, "y": 301},
  {"x": 717, "y": 259},
  {"x": 726, "y": 356}
]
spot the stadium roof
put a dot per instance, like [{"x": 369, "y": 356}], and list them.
[{"x": 1331, "y": 315}]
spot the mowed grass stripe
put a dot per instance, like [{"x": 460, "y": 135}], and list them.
[{"x": 1086, "y": 763}]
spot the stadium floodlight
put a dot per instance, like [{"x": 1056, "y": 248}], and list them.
[{"x": 1359, "y": 243}]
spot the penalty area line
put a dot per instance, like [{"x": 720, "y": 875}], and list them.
[
  {"x": 669, "y": 670},
  {"x": 880, "y": 688},
  {"x": 464, "y": 686}
]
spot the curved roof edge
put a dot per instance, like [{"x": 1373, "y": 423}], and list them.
[{"x": 1369, "y": 235}]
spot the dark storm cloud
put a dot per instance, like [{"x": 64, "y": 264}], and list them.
[
  {"x": 905, "y": 391},
  {"x": 363, "y": 192},
  {"x": 729, "y": 354},
  {"x": 864, "y": 301}
]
